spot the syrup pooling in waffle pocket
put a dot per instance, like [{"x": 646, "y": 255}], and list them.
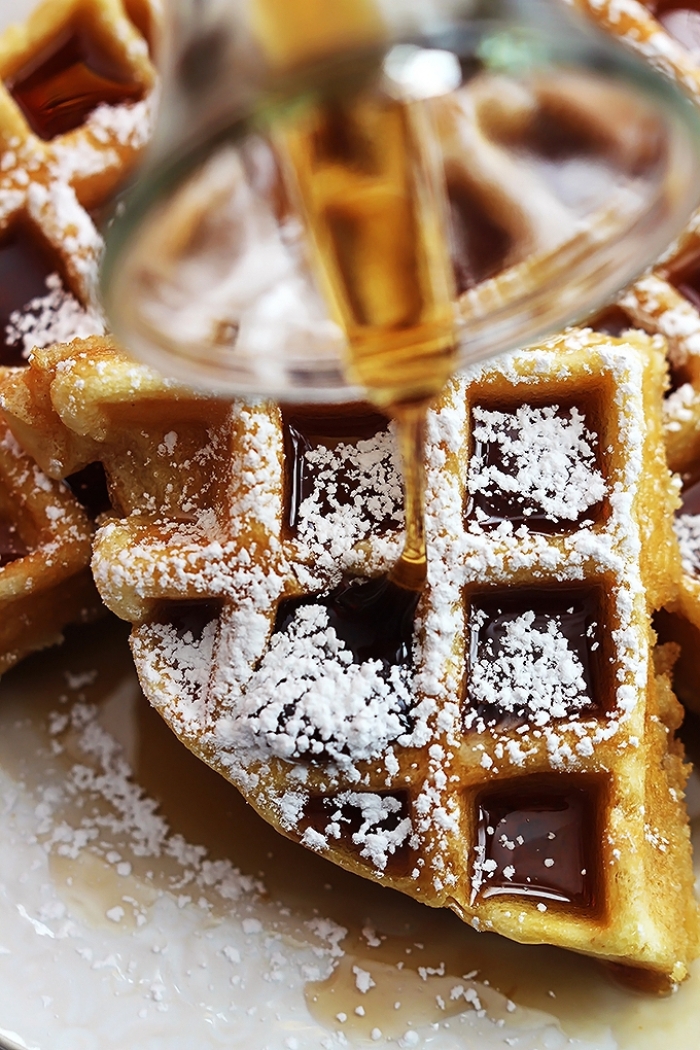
[
  {"x": 74, "y": 117},
  {"x": 395, "y": 762}
]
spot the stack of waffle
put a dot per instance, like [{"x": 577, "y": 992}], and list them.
[
  {"x": 505, "y": 746},
  {"x": 75, "y": 84}
]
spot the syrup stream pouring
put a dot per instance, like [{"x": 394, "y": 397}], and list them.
[{"x": 408, "y": 140}]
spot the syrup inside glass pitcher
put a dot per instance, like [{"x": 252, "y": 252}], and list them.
[{"x": 457, "y": 198}]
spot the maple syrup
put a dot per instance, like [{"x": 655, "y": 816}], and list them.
[
  {"x": 188, "y": 618},
  {"x": 374, "y": 618},
  {"x": 306, "y": 431},
  {"x": 89, "y": 486},
  {"x": 497, "y": 504},
  {"x": 25, "y": 262},
  {"x": 73, "y": 75},
  {"x": 319, "y": 811},
  {"x": 575, "y": 612},
  {"x": 12, "y": 546},
  {"x": 541, "y": 836},
  {"x": 373, "y": 205}
]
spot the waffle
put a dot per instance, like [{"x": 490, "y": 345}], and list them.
[
  {"x": 45, "y": 539},
  {"x": 75, "y": 87},
  {"x": 544, "y": 803},
  {"x": 667, "y": 301},
  {"x": 75, "y": 95}
]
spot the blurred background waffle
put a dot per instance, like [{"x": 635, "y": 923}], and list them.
[
  {"x": 76, "y": 87},
  {"x": 75, "y": 98},
  {"x": 506, "y": 749}
]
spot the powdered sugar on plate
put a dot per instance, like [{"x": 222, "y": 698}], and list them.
[{"x": 118, "y": 930}]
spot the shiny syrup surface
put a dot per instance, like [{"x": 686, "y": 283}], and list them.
[
  {"x": 64, "y": 83},
  {"x": 577, "y": 613},
  {"x": 12, "y": 546},
  {"x": 304, "y": 433},
  {"x": 25, "y": 262},
  {"x": 374, "y": 618},
  {"x": 498, "y": 505},
  {"x": 540, "y": 833},
  {"x": 188, "y": 618}
]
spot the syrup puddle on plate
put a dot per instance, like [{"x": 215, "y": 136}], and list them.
[{"x": 143, "y": 903}]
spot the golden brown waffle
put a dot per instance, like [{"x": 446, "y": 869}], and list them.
[
  {"x": 512, "y": 753},
  {"x": 86, "y": 402},
  {"x": 667, "y": 301},
  {"x": 75, "y": 83}
]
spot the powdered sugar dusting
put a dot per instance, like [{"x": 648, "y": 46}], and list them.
[
  {"x": 687, "y": 528},
  {"x": 545, "y": 457},
  {"x": 287, "y": 713},
  {"x": 309, "y": 698},
  {"x": 56, "y": 317},
  {"x": 370, "y": 473},
  {"x": 534, "y": 671},
  {"x": 377, "y": 842}
]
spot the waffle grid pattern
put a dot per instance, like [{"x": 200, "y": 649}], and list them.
[{"x": 203, "y": 586}]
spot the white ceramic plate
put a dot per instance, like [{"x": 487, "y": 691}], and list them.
[{"x": 144, "y": 905}]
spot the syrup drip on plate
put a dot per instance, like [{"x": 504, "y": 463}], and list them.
[{"x": 59, "y": 88}]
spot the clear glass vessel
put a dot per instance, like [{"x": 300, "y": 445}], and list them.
[{"x": 499, "y": 160}]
